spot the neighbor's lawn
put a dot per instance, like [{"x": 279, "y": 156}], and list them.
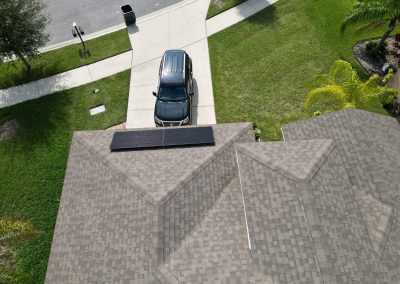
[
  {"x": 33, "y": 164},
  {"x": 64, "y": 59},
  {"x": 218, "y": 6},
  {"x": 260, "y": 66}
]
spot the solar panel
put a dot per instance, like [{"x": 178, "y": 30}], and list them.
[
  {"x": 136, "y": 139},
  {"x": 176, "y": 136},
  {"x": 202, "y": 135},
  {"x": 160, "y": 138}
]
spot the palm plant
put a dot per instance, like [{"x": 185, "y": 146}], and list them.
[
  {"x": 342, "y": 88},
  {"x": 374, "y": 13},
  {"x": 11, "y": 233}
]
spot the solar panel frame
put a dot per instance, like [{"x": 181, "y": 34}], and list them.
[{"x": 162, "y": 138}]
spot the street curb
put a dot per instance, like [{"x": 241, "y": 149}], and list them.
[
  {"x": 88, "y": 37},
  {"x": 117, "y": 27}
]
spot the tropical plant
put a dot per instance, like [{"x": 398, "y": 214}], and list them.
[
  {"x": 11, "y": 234},
  {"x": 374, "y": 51},
  {"x": 374, "y": 13},
  {"x": 22, "y": 30},
  {"x": 342, "y": 88}
]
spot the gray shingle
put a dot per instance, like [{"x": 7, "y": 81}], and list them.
[
  {"x": 217, "y": 249},
  {"x": 103, "y": 226},
  {"x": 117, "y": 209},
  {"x": 369, "y": 146},
  {"x": 321, "y": 207},
  {"x": 278, "y": 231},
  {"x": 283, "y": 157},
  {"x": 317, "y": 221}
]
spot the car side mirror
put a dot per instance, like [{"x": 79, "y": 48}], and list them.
[
  {"x": 154, "y": 94},
  {"x": 191, "y": 94}
]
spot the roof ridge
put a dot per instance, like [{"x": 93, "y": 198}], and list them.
[
  {"x": 164, "y": 276},
  {"x": 378, "y": 217},
  {"x": 379, "y": 231},
  {"x": 128, "y": 180},
  {"x": 361, "y": 149},
  {"x": 189, "y": 176},
  {"x": 313, "y": 165}
]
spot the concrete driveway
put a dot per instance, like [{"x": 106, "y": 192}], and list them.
[
  {"x": 181, "y": 27},
  {"x": 93, "y": 15}
]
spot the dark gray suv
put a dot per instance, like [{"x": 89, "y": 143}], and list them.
[{"x": 175, "y": 90}]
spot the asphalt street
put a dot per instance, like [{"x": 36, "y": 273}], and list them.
[{"x": 92, "y": 15}]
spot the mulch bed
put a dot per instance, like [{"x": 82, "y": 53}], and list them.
[{"x": 373, "y": 66}]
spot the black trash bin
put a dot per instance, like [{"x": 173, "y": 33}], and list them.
[{"x": 129, "y": 15}]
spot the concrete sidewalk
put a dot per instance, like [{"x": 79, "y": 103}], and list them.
[
  {"x": 70, "y": 79},
  {"x": 236, "y": 14}
]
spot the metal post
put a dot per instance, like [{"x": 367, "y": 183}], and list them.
[{"x": 79, "y": 34}]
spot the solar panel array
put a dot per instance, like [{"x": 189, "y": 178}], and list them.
[{"x": 161, "y": 138}]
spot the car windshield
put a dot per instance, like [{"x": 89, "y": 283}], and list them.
[{"x": 172, "y": 94}]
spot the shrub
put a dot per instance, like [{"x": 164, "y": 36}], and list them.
[
  {"x": 397, "y": 37},
  {"x": 388, "y": 76}
]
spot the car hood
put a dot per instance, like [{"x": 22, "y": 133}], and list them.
[{"x": 172, "y": 111}]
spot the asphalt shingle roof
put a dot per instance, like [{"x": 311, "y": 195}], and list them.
[
  {"x": 123, "y": 213},
  {"x": 320, "y": 207},
  {"x": 311, "y": 227},
  {"x": 369, "y": 143},
  {"x": 157, "y": 173}
]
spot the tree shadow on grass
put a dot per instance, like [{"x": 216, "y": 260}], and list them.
[
  {"x": 38, "y": 120},
  {"x": 84, "y": 53},
  {"x": 266, "y": 16},
  {"x": 44, "y": 68},
  {"x": 16, "y": 73}
]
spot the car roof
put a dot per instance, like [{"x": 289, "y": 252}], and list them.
[{"x": 173, "y": 69}]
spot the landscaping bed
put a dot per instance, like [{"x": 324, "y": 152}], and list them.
[
  {"x": 376, "y": 65},
  {"x": 64, "y": 59},
  {"x": 261, "y": 67},
  {"x": 33, "y": 161}
]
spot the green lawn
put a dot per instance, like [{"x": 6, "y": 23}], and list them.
[
  {"x": 260, "y": 66},
  {"x": 218, "y": 6},
  {"x": 33, "y": 164},
  {"x": 64, "y": 59}
]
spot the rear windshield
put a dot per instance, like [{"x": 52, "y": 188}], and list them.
[{"x": 172, "y": 94}]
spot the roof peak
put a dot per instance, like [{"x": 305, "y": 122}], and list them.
[
  {"x": 297, "y": 160},
  {"x": 157, "y": 174}
]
